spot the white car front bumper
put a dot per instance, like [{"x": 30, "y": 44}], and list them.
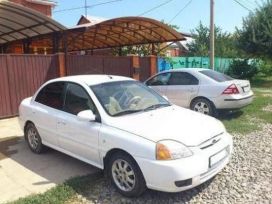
[{"x": 182, "y": 174}]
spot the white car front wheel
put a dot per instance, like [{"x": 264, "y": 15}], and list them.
[{"x": 126, "y": 175}]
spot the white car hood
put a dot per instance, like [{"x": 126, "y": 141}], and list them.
[{"x": 174, "y": 123}]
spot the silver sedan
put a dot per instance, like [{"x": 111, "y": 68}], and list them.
[{"x": 203, "y": 90}]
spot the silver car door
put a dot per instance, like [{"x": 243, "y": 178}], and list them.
[{"x": 182, "y": 88}]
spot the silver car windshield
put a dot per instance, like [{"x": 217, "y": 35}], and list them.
[{"x": 126, "y": 97}]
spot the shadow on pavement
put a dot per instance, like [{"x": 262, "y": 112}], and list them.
[
  {"x": 23, "y": 173},
  {"x": 230, "y": 115}
]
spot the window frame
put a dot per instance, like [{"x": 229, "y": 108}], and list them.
[
  {"x": 46, "y": 85},
  {"x": 157, "y": 76},
  {"x": 184, "y": 72},
  {"x": 98, "y": 118}
]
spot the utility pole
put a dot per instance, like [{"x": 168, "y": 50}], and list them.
[
  {"x": 86, "y": 9},
  {"x": 212, "y": 34}
]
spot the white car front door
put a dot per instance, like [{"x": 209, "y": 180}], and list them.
[
  {"x": 182, "y": 88},
  {"x": 79, "y": 138}
]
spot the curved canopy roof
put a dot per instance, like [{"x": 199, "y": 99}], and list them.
[
  {"x": 18, "y": 22},
  {"x": 120, "y": 32}
]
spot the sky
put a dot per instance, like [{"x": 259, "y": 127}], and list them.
[{"x": 228, "y": 13}]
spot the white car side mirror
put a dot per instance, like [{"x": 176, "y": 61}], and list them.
[
  {"x": 86, "y": 115},
  {"x": 165, "y": 97}
]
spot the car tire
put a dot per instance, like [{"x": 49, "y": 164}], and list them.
[
  {"x": 33, "y": 139},
  {"x": 126, "y": 175},
  {"x": 204, "y": 106}
]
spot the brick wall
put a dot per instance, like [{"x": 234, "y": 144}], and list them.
[{"x": 45, "y": 9}]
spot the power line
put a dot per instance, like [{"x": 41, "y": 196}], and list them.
[
  {"x": 89, "y": 6},
  {"x": 238, "y": 2},
  {"x": 248, "y": 4},
  {"x": 154, "y": 8},
  {"x": 182, "y": 9}
]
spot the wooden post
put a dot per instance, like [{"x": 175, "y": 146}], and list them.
[
  {"x": 136, "y": 67},
  {"x": 153, "y": 65},
  {"x": 61, "y": 63}
]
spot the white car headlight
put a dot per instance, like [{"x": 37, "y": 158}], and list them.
[{"x": 170, "y": 150}]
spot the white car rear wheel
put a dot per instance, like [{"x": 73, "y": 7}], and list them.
[
  {"x": 204, "y": 106},
  {"x": 33, "y": 139}
]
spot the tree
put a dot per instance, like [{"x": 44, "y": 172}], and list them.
[
  {"x": 225, "y": 43},
  {"x": 255, "y": 37}
]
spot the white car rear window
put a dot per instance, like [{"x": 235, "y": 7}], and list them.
[{"x": 217, "y": 76}]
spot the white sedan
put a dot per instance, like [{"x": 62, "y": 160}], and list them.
[
  {"x": 202, "y": 90},
  {"x": 122, "y": 126}
]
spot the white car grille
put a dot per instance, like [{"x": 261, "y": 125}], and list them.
[{"x": 210, "y": 142}]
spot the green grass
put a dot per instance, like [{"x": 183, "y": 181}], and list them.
[
  {"x": 262, "y": 82},
  {"x": 251, "y": 117}
]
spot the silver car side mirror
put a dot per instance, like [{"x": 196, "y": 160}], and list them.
[{"x": 86, "y": 115}]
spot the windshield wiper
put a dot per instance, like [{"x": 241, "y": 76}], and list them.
[
  {"x": 126, "y": 112},
  {"x": 155, "y": 106}
]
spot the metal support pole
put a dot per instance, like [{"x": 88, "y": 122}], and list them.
[{"x": 212, "y": 34}]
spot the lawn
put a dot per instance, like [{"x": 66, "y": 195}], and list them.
[
  {"x": 251, "y": 117},
  {"x": 243, "y": 121}
]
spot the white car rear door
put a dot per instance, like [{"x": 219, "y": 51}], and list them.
[
  {"x": 45, "y": 108},
  {"x": 182, "y": 88}
]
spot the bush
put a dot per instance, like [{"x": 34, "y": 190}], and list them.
[
  {"x": 266, "y": 68},
  {"x": 243, "y": 69}
]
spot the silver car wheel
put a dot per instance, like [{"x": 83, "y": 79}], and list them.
[
  {"x": 123, "y": 175},
  {"x": 202, "y": 107},
  {"x": 33, "y": 138}
]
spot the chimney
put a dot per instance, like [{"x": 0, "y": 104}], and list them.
[{"x": 43, "y": 6}]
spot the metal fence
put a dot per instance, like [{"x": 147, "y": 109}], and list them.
[
  {"x": 221, "y": 64},
  {"x": 21, "y": 75}
]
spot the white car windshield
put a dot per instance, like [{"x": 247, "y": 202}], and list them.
[{"x": 126, "y": 97}]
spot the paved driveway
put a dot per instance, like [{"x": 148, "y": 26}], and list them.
[{"x": 23, "y": 173}]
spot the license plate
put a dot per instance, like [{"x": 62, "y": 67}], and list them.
[
  {"x": 216, "y": 158},
  {"x": 246, "y": 89}
]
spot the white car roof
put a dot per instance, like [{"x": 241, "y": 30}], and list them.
[
  {"x": 92, "y": 79},
  {"x": 187, "y": 69}
]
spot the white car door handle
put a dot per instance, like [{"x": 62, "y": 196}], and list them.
[{"x": 61, "y": 123}]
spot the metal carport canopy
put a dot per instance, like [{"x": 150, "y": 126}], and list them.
[
  {"x": 118, "y": 32},
  {"x": 18, "y": 22}
]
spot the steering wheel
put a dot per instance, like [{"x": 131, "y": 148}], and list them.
[{"x": 134, "y": 100}]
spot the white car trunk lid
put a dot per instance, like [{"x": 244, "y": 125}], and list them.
[{"x": 242, "y": 85}]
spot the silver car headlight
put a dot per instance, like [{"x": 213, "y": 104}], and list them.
[{"x": 170, "y": 150}]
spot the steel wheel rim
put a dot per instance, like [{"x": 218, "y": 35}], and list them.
[
  {"x": 33, "y": 138},
  {"x": 202, "y": 107},
  {"x": 123, "y": 175}
]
